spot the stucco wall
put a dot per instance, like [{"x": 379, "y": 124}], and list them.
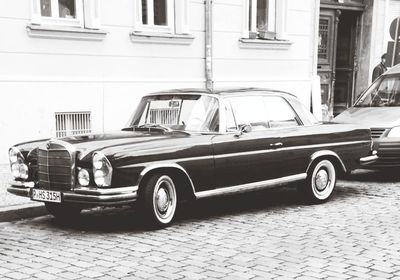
[{"x": 39, "y": 77}]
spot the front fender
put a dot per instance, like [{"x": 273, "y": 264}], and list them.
[{"x": 163, "y": 166}]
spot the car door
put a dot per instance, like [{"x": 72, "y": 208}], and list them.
[
  {"x": 251, "y": 156},
  {"x": 294, "y": 137}
]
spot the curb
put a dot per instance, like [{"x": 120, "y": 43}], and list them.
[{"x": 16, "y": 212}]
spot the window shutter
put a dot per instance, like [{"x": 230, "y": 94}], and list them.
[
  {"x": 182, "y": 17},
  {"x": 92, "y": 14},
  {"x": 35, "y": 11}
]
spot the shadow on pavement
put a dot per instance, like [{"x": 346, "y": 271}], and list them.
[
  {"x": 127, "y": 219},
  {"x": 379, "y": 176}
]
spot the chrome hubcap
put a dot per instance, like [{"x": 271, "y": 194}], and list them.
[
  {"x": 163, "y": 200},
  {"x": 321, "y": 179}
]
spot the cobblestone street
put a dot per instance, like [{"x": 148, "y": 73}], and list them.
[{"x": 263, "y": 235}]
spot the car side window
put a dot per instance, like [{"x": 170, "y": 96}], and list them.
[
  {"x": 279, "y": 112},
  {"x": 250, "y": 110}
]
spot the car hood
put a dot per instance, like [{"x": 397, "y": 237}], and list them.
[
  {"x": 373, "y": 117},
  {"x": 111, "y": 142}
]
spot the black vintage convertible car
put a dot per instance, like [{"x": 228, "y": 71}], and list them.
[{"x": 191, "y": 144}]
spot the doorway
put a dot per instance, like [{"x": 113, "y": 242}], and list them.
[
  {"x": 337, "y": 59},
  {"x": 346, "y": 67}
]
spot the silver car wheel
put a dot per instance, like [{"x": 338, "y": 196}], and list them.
[
  {"x": 164, "y": 199},
  {"x": 323, "y": 179}
]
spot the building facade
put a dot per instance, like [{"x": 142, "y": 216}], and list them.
[
  {"x": 353, "y": 35},
  {"x": 75, "y": 66}
]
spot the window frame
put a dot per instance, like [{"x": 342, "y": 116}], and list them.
[
  {"x": 177, "y": 19},
  {"x": 87, "y": 19},
  {"x": 271, "y": 17},
  {"x": 280, "y": 18},
  {"x": 150, "y": 26},
  {"x": 78, "y": 21}
]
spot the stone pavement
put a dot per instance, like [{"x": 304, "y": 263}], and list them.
[{"x": 264, "y": 235}]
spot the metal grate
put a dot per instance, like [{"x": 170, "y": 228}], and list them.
[
  {"x": 164, "y": 116},
  {"x": 72, "y": 123},
  {"x": 323, "y": 39},
  {"x": 55, "y": 167},
  {"x": 377, "y": 132}
]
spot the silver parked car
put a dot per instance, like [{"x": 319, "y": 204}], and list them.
[{"x": 379, "y": 108}]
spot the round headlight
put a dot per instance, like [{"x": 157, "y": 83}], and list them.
[
  {"x": 83, "y": 177},
  {"x": 102, "y": 170},
  {"x": 97, "y": 161},
  {"x": 99, "y": 178},
  {"x": 20, "y": 171},
  {"x": 394, "y": 132},
  {"x": 13, "y": 155},
  {"x": 23, "y": 171},
  {"x": 15, "y": 170}
]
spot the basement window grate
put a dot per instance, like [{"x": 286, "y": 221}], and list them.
[{"x": 72, "y": 123}]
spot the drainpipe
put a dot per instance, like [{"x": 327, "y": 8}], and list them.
[{"x": 208, "y": 46}]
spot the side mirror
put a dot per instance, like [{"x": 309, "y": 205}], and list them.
[{"x": 243, "y": 128}]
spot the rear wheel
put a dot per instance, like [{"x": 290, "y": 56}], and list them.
[
  {"x": 66, "y": 212},
  {"x": 320, "y": 182},
  {"x": 159, "y": 200}
]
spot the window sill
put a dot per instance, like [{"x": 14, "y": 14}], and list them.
[
  {"x": 264, "y": 44},
  {"x": 61, "y": 32},
  {"x": 161, "y": 38}
]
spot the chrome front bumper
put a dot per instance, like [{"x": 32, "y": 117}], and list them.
[
  {"x": 365, "y": 161},
  {"x": 83, "y": 195}
]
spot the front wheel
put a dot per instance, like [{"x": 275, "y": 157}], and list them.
[
  {"x": 320, "y": 182},
  {"x": 159, "y": 200}
]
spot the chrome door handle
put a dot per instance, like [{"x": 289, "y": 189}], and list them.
[{"x": 276, "y": 145}]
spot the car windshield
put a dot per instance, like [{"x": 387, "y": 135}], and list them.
[
  {"x": 198, "y": 113},
  {"x": 384, "y": 92}
]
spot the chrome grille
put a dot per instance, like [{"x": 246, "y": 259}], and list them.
[
  {"x": 55, "y": 167},
  {"x": 377, "y": 132}
]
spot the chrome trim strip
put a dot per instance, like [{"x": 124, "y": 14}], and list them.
[
  {"x": 106, "y": 191},
  {"x": 178, "y": 160},
  {"x": 290, "y": 148},
  {"x": 169, "y": 162},
  {"x": 251, "y": 186},
  {"x": 85, "y": 198}
]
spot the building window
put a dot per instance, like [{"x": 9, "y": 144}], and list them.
[
  {"x": 162, "y": 16},
  {"x": 72, "y": 123},
  {"x": 262, "y": 15},
  {"x": 70, "y": 13},
  {"x": 265, "y": 19},
  {"x": 157, "y": 15}
]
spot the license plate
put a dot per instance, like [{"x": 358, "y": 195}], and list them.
[{"x": 43, "y": 195}]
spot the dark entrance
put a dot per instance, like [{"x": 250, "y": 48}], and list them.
[
  {"x": 346, "y": 59},
  {"x": 337, "y": 55}
]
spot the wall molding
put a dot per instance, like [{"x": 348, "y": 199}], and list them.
[{"x": 70, "y": 33}]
